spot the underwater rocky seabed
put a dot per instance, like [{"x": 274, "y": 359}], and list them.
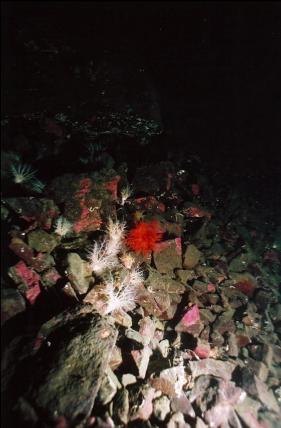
[
  {"x": 202, "y": 345},
  {"x": 195, "y": 339}
]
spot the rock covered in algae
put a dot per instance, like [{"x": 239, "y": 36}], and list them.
[{"x": 70, "y": 365}]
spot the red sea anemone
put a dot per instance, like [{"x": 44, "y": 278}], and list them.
[{"x": 144, "y": 237}]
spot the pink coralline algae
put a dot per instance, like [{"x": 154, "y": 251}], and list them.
[
  {"x": 211, "y": 287},
  {"x": 89, "y": 220},
  {"x": 84, "y": 188},
  {"x": 112, "y": 186},
  {"x": 202, "y": 349},
  {"x": 192, "y": 316},
  {"x": 30, "y": 279},
  {"x": 150, "y": 203},
  {"x": 178, "y": 246},
  {"x": 176, "y": 243}
]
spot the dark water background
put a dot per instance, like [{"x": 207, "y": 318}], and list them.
[{"x": 215, "y": 65}]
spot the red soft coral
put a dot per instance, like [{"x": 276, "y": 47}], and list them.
[{"x": 144, "y": 237}]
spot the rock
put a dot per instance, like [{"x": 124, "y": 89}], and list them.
[
  {"x": 161, "y": 407},
  {"x": 42, "y": 241},
  {"x": 201, "y": 393},
  {"x": 135, "y": 336},
  {"x": 87, "y": 198},
  {"x": 262, "y": 299},
  {"x": 224, "y": 323},
  {"x": 201, "y": 288},
  {"x": 233, "y": 350},
  {"x": 247, "y": 410},
  {"x": 191, "y": 316},
  {"x": 28, "y": 413},
  {"x": 27, "y": 279},
  {"x": 152, "y": 204},
  {"x": 42, "y": 262},
  {"x": 116, "y": 358},
  {"x": 174, "y": 229},
  {"x": 276, "y": 354},
  {"x": 180, "y": 403},
  {"x": 240, "y": 263},
  {"x": 256, "y": 351},
  {"x": 78, "y": 272},
  {"x": 154, "y": 179},
  {"x": 101, "y": 422},
  {"x": 108, "y": 387},
  {"x": 215, "y": 398},
  {"x": 275, "y": 313},
  {"x": 190, "y": 322},
  {"x": 164, "y": 347},
  {"x": 40, "y": 211},
  {"x": 217, "y": 339},
  {"x": 222, "y": 415},
  {"x": 222, "y": 369},
  {"x": 69, "y": 293},
  {"x": 235, "y": 297},
  {"x": 208, "y": 274},
  {"x": 4, "y": 213},
  {"x": 73, "y": 365},
  {"x": 145, "y": 410},
  {"x": 177, "y": 421},
  {"x": 205, "y": 333},
  {"x": 244, "y": 282},
  {"x": 213, "y": 299},
  {"x": 246, "y": 379},
  {"x": 266, "y": 396},
  {"x": 200, "y": 423},
  {"x": 22, "y": 250},
  {"x": 202, "y": 349},
  {"x": 191, "y": 210},
  {"x": 141, "y": 358},
  {"x": 195, "y": 329},
  {"x": 242, "y": 339},
  {"x": 147, "y": 329},
  {"x": 12, "y": 303},
  {"x": 122, "y": 318},
  {"x": 74, "y": 242},
  {"x": 207, "y": 316},
  {"x": 50, "y": 277},
  {"x": 95, "y": 297},
  {"x": 163, "y": 385},
  {"x": 121, "y": 406},
  {"x": 170, "y": 312},
  {"x": 176, "y": 378},
  {"x": 168, "y": 257},
  {"x": 259, "y": 368},
  {"x": 128, "y": 379},
  {"x": 185, "y": 275},
  {"x": 191, "y": 257},
  {"x": 160, "y": 295}
]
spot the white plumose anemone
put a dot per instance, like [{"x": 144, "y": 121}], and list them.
[
  {"x": 103, "y": 255},
  {"x": 122, "y": 295},
  {"x": 22, "y": 173}
]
